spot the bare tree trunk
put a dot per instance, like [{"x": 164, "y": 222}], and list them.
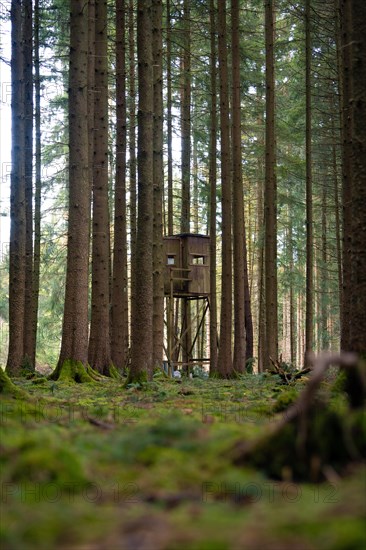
[
  {"x": 346, "y": 172},
  {"x": 29, "y": 330},
  {"x": 74, "y": 346},
  {"x": 186, "y": 120},
  {"x": 38, "y": 175},
  {"x": 132, "y": 143},
  {"x": 224, "y": 366},
  {"x": 239, "y": 245},
  {"x": 270, "y": 208},
  {"x": 17, "y": 265},
  {"x": 213, "y": 198},
  {"x": 158, "y": 170},
  {"x": 309, "y": 323},
  {"x": 119, "y": 306},
  {"x": 358, "y": 241},
  {"x": 99, "y": 341},
  {"x": 169, "y": 119},
  {"x": 142, "y": 302}
]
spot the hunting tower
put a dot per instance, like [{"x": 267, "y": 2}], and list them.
[{"x": 186, "y": 279}]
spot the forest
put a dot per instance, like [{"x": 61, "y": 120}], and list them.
[{"x": 183, "y": 274}]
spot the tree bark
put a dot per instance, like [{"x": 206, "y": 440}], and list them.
[
  {"x": 158, "y": 252},
  {"x": 270, "y": 199},
  {"x": 309, "y": 320},
  {"x": 29, "y": 329},
  {"x": 17, "y": 264},
  {"x": 99, "y": 354},
  {"x": 142, "y": 300},
  {"x": 239, "y": 245},
  {"x": 213, "y": 187},
  {"x": 224, "y": 366},
  {"x": 358, "y": 158},
  {"x": 119, "y": 305},
  {"x": 74, "y": 346}
]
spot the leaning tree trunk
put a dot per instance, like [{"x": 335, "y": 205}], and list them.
[{"x": 17, "y": 201}]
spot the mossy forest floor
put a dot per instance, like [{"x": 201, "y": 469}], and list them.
[{"x": 98, "y": 466}]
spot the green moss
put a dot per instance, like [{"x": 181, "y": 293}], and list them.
[
  {"x": 9, "y": 388},
  {"x": 136, "y": 379},
  {"x": 285, "y": 399},
  {"x": 72, "y": 371}
]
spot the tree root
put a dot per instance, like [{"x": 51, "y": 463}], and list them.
[{"x": 309, "y": 438}]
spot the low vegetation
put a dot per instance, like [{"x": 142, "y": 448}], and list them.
[{"x": 157, "y": 467}]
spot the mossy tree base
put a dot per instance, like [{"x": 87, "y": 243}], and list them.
[
  {"x": 136, "y": 378},
  {"x": 9, "y": 388},
  {"x": 74, "y": 371}
]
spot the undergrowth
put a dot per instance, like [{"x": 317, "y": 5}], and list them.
[{"x": 149, "y": 466}]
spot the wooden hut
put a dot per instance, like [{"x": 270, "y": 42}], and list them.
[{"x": 187, "y": 265}]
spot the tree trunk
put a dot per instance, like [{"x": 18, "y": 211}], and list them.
[
  {"x": 158, "y": 252},
  {"x": 358, "y": 238},
  {"x": 17, "y": 264},
  {"x": 186, "y": 120},
  {"x": 142, "y": 301},
  {"x": 132, "y": 143},
  {"x": 309, "y": 321},
  {"x": 270, "y": 208},
  {"x": 224, "y": 367},
  {"x": 74, "y": 347},
  {"x": 169, "y": 119},
  {"x": 239, "y": 245},
  {"x": 119, "y": 306},
  {"x": 38, "y": 174},
  {"x": 346, "y": 172},
  {"x": 99, "y": 341},
  {"x": 213, "y": 198},
  {"x": 29, "y": 329}
]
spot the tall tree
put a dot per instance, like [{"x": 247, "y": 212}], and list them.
[
  {"x": 158, "y": 252},
  {"x": 224, "y": 367},
  {"x": 309, "y": 319},
  {"x": 213, "y": 186},
  {"x": 347, "y": 166},
  {"x": 99, "y": 341},
  {"x": 270, "y": 195},
  {"x": 169, "y": 119},
  {"x": 17, "y": 264},
  {"x": 142, "y": 300},
  {"x": 38, "y": 172},
  {"x": 238, "y": 198},
  {"x": 74, "y": 346},
  {"x": 119, "y": 306},
  {"x": 358, "y": 132},
  {"x": 186, "y": 119},
  {"x": 185, "y": 225},
  {"x": 29, "y": 328}
]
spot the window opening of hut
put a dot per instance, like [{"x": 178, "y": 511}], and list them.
[
  {"x": 198, "y": 260},
  {"x": 171, "y": 260}
]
